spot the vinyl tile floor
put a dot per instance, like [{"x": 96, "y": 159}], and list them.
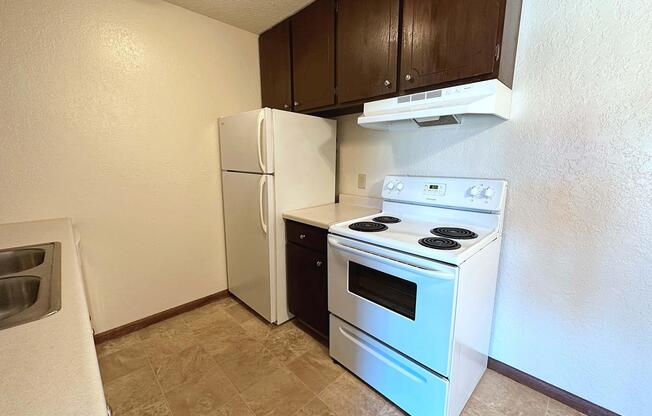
[{"x": 223, "y": 360}]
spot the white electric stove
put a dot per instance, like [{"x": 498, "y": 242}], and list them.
[{"x": 411, "y": 290}]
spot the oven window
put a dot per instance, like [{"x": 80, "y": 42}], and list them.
[{"x": 393, "y": 293}]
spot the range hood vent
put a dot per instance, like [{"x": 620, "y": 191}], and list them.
[{"x": 439, "y": 107}]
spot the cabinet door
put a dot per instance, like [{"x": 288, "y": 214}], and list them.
[
  {"x": 448, "y": 40},
  {"x": 313, "y": 66},
  {"x": 275, "y": 67},
  {"x": 367, "y": 43},
  {"x": 307, "y": 284}
]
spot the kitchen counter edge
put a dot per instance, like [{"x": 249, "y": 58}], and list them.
[
  {"x": 324, "y": 216},
  {"x": 49, "y": 366}
]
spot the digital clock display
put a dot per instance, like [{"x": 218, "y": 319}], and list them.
[{"x": 434, "y": 190}]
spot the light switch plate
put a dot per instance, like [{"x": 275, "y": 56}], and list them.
[{"x": 362, "y": 181}]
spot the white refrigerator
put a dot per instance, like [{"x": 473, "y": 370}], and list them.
[{"x": 272, "y": 161}]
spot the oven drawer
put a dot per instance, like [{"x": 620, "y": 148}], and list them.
[
  {"x": 412, "y": 387},
  {"x": 306, "y": 235}
]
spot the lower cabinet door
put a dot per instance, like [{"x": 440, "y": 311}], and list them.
[
  {"x": 414, "y": 388},
  {"x": 307, "y": 282}
]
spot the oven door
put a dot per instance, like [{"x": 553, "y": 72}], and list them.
[{"x": 404, "y": 301}]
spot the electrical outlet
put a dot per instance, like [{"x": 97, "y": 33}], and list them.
[{"x": 362, "y": 181}]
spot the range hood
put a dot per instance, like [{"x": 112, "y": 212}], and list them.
[{"x": 439, "y": 107}]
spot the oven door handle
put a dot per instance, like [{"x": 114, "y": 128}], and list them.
[{"x": 435, "y": 274}]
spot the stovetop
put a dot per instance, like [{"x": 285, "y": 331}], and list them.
[
  {"x": 438, "y": 238},
  {"x": 440, "y": 218}
]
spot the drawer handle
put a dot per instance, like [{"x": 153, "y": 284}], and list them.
[
  {"x": 383, "y": 356},
  {"x": 319, "y": 263},
  {"x": 302, "y": 236}
]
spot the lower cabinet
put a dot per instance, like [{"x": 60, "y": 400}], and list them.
[{"x": 307, "y": 285}]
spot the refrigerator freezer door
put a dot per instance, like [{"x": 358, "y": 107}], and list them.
[
  {"x": 249, "y": 225},
  {"x": 246, "y": 142}
]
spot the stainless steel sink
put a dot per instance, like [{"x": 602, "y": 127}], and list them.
[
  {"x": 18, "y": 260},
  {"x": 30, "y": 283},
  {"x": 17, "y": 294}
]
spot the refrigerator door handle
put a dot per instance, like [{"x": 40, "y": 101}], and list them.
[
  {"x": 261, "y": 186},
  {"x": 261, "y": 119}
]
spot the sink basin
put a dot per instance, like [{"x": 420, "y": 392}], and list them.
[
  {"x": 17, "y": 294},
  {"x": 30, "y": 283},
  {"x": 16, "y": 261}
]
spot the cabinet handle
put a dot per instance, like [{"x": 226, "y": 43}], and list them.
[
  {"x": 387, "y": 83},
  {"x": 302, "y": 236},
  {"x": 408, "y": 77},
  {"x": 296, "y": 103},
  {"x": 319, "y": 263},
  {"x": 286, "y": 106}
]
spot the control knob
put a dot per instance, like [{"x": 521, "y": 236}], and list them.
[
  {"x": 489, "y": 192},
  {"x": 474, "y": 191},
  {"x": 399, "y": 186},
  {"x": 390, "y": 185}
]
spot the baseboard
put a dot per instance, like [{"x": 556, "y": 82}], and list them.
[
  {"x": 569, "y": 399},
  {"x": 158, "y": 317}
]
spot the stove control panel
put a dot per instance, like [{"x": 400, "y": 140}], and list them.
[{"x": 464, "y": 193}]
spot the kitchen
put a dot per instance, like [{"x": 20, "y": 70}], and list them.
[{"x": 110, "y": 118}]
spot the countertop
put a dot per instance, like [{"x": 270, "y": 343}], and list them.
[
  {"x": 49, "y": 367},
  {"x": 324, "y": 216}
]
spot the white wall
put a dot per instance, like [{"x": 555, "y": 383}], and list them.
[
  {"x": 108, "y": 115},
  {"x": 574, "y": 301}
]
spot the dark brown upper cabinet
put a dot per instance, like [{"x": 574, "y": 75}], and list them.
[
  {"x": 313, "y": 56},
  {"x": 367, "y": 47},
  {"x": 276, "y": 67},
  {"x": 384, "y": 48},
  {"x": 450, "y": 40}
]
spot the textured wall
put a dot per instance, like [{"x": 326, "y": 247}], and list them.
[
  {"x": 574, "y": 301},
  {"x": 108, "y": 115}
]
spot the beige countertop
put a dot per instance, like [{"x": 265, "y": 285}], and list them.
[
  {"x": 49, "y": 367},
  {"x": 324, "y": 216}
]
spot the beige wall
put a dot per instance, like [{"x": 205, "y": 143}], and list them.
[
  {"x": 574, "y": 295},
  {"x": 108, "y": 115}
]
